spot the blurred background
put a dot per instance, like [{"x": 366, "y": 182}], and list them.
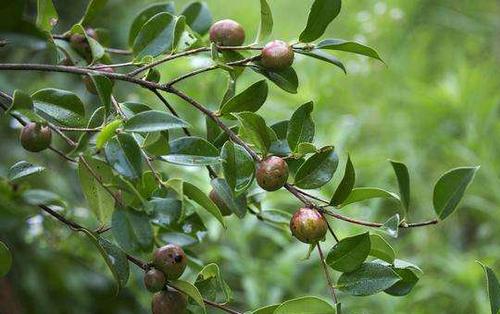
[{"x": 434, "y": 105}]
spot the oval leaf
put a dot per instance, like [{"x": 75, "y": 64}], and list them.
[
  {"x": 346, "y": 185},
  {"x": 318, "y": 169},
  {"x": 403, "y": 177},
  {"x": 251, "y": 99},
  {"x": 323, "y": 56},
  {"x": 370, "y": 278},
  {"x": 211, "y": 284},
  {"x": 362, "y": 194},
  {"x": 195, "y": 194},
  {"x": 493, "y": 289},
  {"x": 192, "y": 151},
  {"x": 124, "y": 155},
  {"x": 301, "y": 126},
  {"x": 46, "y": 15},
  {"x": 349, "y": 253},
  {"x": 287, "y": 79},
  {"x": 153, "y": 120},
  {"x": 132, "y": 230},
  {"x": 381, "y": 248},
  {"x": 145, "y": 15},
  {"x": 23, "y": 169},
  {"x": 321, "y": 15},
  {"x": 238, "y": 167},
  {"x": 254, "y": 128},
  {"x": 198, "y": 17},
  {"x": 309, "y": 305},
  {"x": 237, "y": 205},
  {"x": 349, "y": 46},
  {"x": 266, "y": 22},
  {"x": 60, "y": 106}
]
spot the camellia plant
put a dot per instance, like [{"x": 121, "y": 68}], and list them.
[{"x": 115, "y": 148}]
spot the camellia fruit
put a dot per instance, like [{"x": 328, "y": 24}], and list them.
[
  {"x": 308, "y": 225},
  {"x": 227, "y": 33},
  {"x": 89, "y": 84},
  {"x": 277, "y": 55},
  {"x": 154, "y": 280},
  {"x": 35, "y": 137},
  {"x": 171, "y": 260},
  {"x": 215, "y": 197},
  {"x": 272, "y": 173},
  {"x": 169, "y": 302}
]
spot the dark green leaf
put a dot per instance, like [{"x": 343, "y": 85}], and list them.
[
  {"x": 23, "y": 169},
  {"x": 93, "y": 7},
  {"x": 370, "y": 278},
  {"x": 409, "y": 273},
  {"x": 323, "y": 56},
  {"x": 131, "y": 108},
  {"x": 153, "y": 120},
  {"x": 256, "y": 131},
  {"x": 238, "y": 167},
  {"x": 346, "y": 185},
  {"x": 46, "y": 15},
  {"x": 266, "y": 22},
  {"x": 493, "y": 289},
  {"x": 124, "y": 155},
  {"x": 321, "y": 15},
  {"x": 192, "y": 151},
  {"x": 349, "y": 253},
  {"x": 165, "y": 211},
  {"x": 104, "y": 88},
  {"x": 362, "y": 194},
  {"x": 450, "y": 189},
  {"x": 287, "y": 79},
  {"x": 391, "y": 226},
  {"x": 309, "y": 305},
  {"x": 237, "y": 205},
  {"x": 349, "y": 46},
  {"x": 132, "y": 230},
  {"x": 318, "y": 169},
  {"x": 106, "y": 133},
  {"x": 251, "y": 99},
  {"x": 381, "y": 248},
  {"x": 211, "y": 284},
  {"x": 60, "y": 106},
  {"x": 145, "y": 15},
  {"x": 194, "y": 193},
  {"x": 5, "y": 259},
  {"x": 190, "y": 290},
  {"x": 301, "y": 126},
  {"x": 198, "y": 17},
  {"x": 96, "y": 49},
  {"x": 403, "y": 177}
]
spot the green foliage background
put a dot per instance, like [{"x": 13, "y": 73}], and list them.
[{"x": 434, "y": 106}]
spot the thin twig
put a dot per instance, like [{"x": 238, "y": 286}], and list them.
[
  {"x": 330, "y": 227},
  {"x": 327, "y": 274},
  {"x": 312, "y": 196}
]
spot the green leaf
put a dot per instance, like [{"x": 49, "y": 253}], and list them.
[
  {"x": 362, "y": 194},
  {"x": 409, "y": 273},
  {"x": 37, "y": 197},
  {"x": 23, "y": 169},
  {"x": 104, "y": 88},
  {"x": 98, "y": 198},
  {"x": 287, "y": 79},
  {"x": 370, "y": 278},
  {"x": 165, "y": 211},
  {"x": 96, "y": 120},
  {"x": 198, "y": 17},
  {"x": 46, "y": 15},
  {"x": 157, "y": 36},
  {"x": 93, "y": 8},
  {"x": 190, "y": 290},
  {"x": 304, "y": 149},
  {"x": 266, "y": 22},
  {"x": 305, "y": 305},
  {"x": 256, "y": 131},
  {"x": 115, "y": 258},
  {"x": 60, "y": 106},
  {"x": 493, "y": 289},
  {"x": 318, "y": 169},
  {"x": 349, "y": 46},
  {"x": 301, "y": 126},
  {"x": 450, "y": 189},
  {"x": 238, "y": 167},
  {"x": 237, "y": 204},
  {"x": 349, "y": 253},
  {"x": 132, "y": 230},
  {"x": 198, "y": 196},
  {"x": 211, "y": 284},
  {"x": 323, "y": 56},
  {"x": 269, "y": 309},
  {"x": 381, "y": 248},
  {"x": 251, "y": 99},
  {"x": 276, "y": 216},
  {"x": 346, "y": 185},
  {"x": 65, "y": 47},
  {"x": 403, "y": 177},
  {"x": 23, "y": 104},
  {"x": 145, "y": 15},
  {"x": 106, "y": 133},
  {"x": 192, "y": 151},
  {"x": 124, "y": 155},
  {"x": 321, "y": 15},
  {"x": 5, "y": 259},
  {"x": 153, "y": 120},
  {"x": 391, "y": 226},
  {"x": 96, "y": 49}
]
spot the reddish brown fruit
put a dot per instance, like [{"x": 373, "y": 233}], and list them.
[
  {"x": 169, "y": 302},
  {"x": 89, "y": 84},
  {"x": 227, "y": 33},
  {"x": 272, "y": 173},
  {"x": 308, "y": 225},
  {"x": 35, "y": 137},
  {"x": 277, "y": 55},
  {"x": 171, "y": 260},
  {"x": 214, "y": 196},
  {"x": 154, "y": 280}
]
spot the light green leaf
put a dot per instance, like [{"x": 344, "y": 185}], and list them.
[
  {"x": 46, "y": 15},
  {"x": 287, "y": 79},
  {"x": 124, "y": 155},
  {"x": 237, "y": 204},
  {"x": 493, "y": 289},
  {"x": 192, "y": 151},
  {"x": 450, "y": 189},
  {"x": 349, "y": 46},
  {"x": 370, "y": 278},
  {"x": 256, "y": 131},
  {"x": 349, "y": 253},
  {"x": 190, "y": 290},
  {"x": 153, "y": 120},
  {"x": 106, "y": 133},
  {"x": 93, "y": 8},
  {"x": 104, "y": 88},
  {"x": 321, "y": 15},
  {"x": 318, "y": 169},
  {"x": 23, "y": 169},
  {"x": 403, "y": 177},
  {"x": 381, "y": 248},
  {"x": 145, "y": 15},
  {"x": 195, "y": 194},
  {"x": 5, "y": 259},
  {"x": 198, "y": 17},
  {"x": 301, "y": 126},
  {"x": 269, "y": 309},
  {"x": 362, "y": 194},
  {"x": 323, "y": 56},
  {"x": 305, "y": 305},
  {"x": 391, "y": 226},
  {"x": 346, "y": 185},
  {"x": 251, "y": 99},
  {"x": 211, "y": 284},
  {"x": 60, "y": 106},
  {"x": 266, "y": 22},
  {"x": 132, "y": 230},
  {"x": 238, "y": 167}
]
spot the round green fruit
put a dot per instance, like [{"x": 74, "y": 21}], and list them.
[
  {"x": 272, "y": 173},
  {"x": 89, "y": 84},
  {"x": 227, "y": 33},
  {"x": 277, "y": 55},
  {"x": 171, "y": 260},
  {"x": 215, "y": 197},
  {"x": 35, "y": 137},
  {"x": 169, "y": 302},
  {"x": 308, "y": 225},
  {"x": 154, "y": 280}
]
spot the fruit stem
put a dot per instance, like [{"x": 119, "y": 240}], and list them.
[{"x": 327, "y": 273}]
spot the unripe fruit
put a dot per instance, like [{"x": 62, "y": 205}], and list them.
[
  {"x": 215, "y": 197},
  {"x": 89, "y": 84},
  {"x": 227, "y": 33},
  {"x": 308, "y": 225},
  {"x": 35, "y": 137},
  {"x": 277, "y": 55},
  {"x": 169, "y": 302},
  {"x": 154, "y": 280},
  {"x": 272, "y": 173},
  {"x": 171, "y": 260}
]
